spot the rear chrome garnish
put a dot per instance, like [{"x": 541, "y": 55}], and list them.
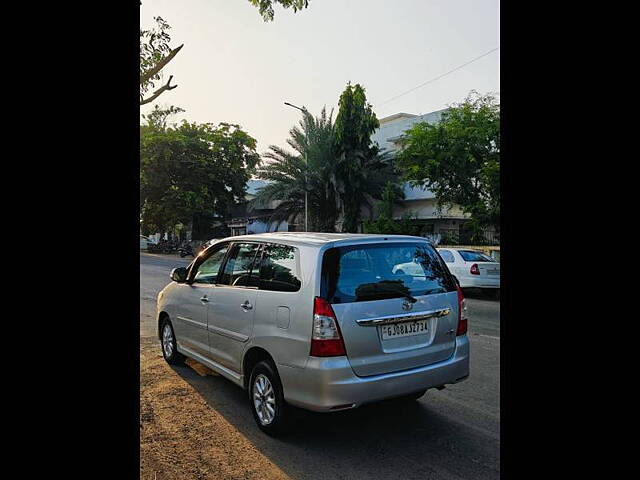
[{"x": 411, "y": 317}]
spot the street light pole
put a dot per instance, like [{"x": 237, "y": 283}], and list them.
[{"x": 304, "y": 155}]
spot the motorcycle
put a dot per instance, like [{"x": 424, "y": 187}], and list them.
[
  {"x": 170, "y": 247},
  {"x": 163, "y": 246},
  {"x": 185, "y": 250}
]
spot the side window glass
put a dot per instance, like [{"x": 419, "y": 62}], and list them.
[
  {"x": 208, "y": 270},
  {"x": 278, "y": 270},
  {"x": 238, "y": 269},
  {"x": 447, "y": 256}
]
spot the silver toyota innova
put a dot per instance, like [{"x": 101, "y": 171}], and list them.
[{"x": 322, "y": 321}]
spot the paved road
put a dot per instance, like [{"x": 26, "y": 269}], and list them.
[
  {"x": 448, "y": 434},
  {"x": 154, "y": 276}
]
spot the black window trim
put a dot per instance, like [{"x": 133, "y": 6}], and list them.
[
  {"x": 226, "y": 259},
  {"x": 257, "y": 260},
  {"x": 296, "y": 254},
  {"x": 207, "y": 253}
]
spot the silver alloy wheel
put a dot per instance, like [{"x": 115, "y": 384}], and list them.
[
  {"x": 264, "y": 399},
  {"x": 167, "y": 340}
]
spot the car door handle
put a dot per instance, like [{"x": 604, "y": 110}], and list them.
[
  {"x": 246, "y": 305},
  {"x": 204, "y": 299}
]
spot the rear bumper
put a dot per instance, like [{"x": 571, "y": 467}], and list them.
[{"x": 327, "y": 383}]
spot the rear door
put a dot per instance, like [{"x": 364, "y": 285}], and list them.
[
  {"x": 396, "y": 305},
  {"x": 460, "y": 269},
  {"x": 448, "y": 258}
]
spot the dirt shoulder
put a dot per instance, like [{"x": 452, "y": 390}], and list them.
[{"x": 182, "y": 437}]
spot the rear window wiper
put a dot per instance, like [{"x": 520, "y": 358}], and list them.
[
  {"x": 383, "y": 289},
  {"x": 410, "y": 298}
]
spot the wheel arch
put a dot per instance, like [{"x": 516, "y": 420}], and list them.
[
  {"x": 251, "y": 357},
  {"x": 162, "y": 316}
]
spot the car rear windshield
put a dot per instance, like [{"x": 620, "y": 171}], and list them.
[
  {"x": 471, "y": 256},
  {"x": 359, "y": 273}
]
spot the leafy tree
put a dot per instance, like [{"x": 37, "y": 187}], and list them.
[
  {"x": 191, "y": 171},
  {"x": 311, "y": 167},
  {"x": 155, "y": 54},
  {"x": 266, "y": 6},
  {"x": 158, "y": 117},
  {"x": 362, "y": 172},
  {"x": 385, "y": 223},
  {"x": 330, "y": 181},
  {"x": 458, "y": 159}
]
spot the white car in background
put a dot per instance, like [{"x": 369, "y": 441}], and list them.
[
  {"x": 144, "y": 242},
  {"x": 473, "y": 269}
]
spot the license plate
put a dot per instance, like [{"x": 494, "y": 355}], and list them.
[
  {"x": 493, "y": 272},
  {"x": 405, "y": 329}
]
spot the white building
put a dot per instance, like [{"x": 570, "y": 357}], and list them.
[
  {"x": 393, "y": 127},
  {"x": 246, "y": 222},
  {"x": 420, "y": 203}
]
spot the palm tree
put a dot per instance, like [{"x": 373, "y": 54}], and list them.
[
  {"x": 361, "y": 182},
  {"x": 311, "y": 167},
  {"x": 333, "y": 187}
]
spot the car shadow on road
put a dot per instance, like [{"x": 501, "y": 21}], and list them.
[
  {"x": 478, "y": 294},
  {"x": 392, "y": 439}
]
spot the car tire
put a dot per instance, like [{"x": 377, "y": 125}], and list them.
[
  {"x": 265, "y": 394},
  {"x": 168, "y": 344}
]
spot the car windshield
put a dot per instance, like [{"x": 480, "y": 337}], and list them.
[
  {"x": 473, "y": 256},
  {"x": 379, "y": 271}
]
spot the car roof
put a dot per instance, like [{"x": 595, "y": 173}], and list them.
[{"x": 316, "y": 238}]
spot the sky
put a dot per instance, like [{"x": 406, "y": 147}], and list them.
[{"x": 236, "y": 68}]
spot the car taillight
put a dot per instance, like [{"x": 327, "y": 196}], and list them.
[
  {"x": 326, "y": 339},
  {"x": 462, "y": 313},
  {"x": 474, "y": 269}
]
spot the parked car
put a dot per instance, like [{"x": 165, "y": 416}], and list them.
[
  {"x": 145, "y": 242},
  {"x": 321, "y": 321},
  {"x": 473, "y": 269}
]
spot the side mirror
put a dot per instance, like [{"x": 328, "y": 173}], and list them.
[{"x": 179, "y": 275}]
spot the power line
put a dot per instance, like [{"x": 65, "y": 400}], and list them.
[{"x": 439, "y": 76}]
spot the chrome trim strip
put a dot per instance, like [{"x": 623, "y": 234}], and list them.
[
  {"x": 228, "y": 333},
  {"x": 410, "y": 317},
  {"x": 192, "y": 322}
]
